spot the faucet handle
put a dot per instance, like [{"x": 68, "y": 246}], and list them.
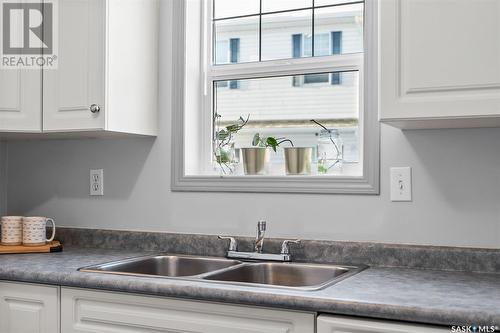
[
  {"x": 285, "y": 248},
  {"x": 233, "y": 244}
]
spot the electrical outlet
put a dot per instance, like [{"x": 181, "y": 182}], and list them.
[
  {"x": 401, "y": 184},
  {"x": 96, "y": 182}
]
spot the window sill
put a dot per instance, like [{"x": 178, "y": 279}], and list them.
[{"x": 278, "y": 184}]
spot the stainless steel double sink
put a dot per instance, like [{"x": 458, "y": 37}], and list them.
[{"x": 220, "y": 270}]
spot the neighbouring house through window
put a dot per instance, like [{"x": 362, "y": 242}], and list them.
[{"x": 325, "y": 44}]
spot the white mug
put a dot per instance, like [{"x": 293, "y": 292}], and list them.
[
  {"x": 34, "y": 230},
  {"x": 12, "y": 230}
]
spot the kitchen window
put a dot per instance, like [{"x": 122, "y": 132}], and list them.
[{"x": 300, "y": 73}]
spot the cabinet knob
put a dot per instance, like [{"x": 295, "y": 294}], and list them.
[{"x": 94, "y": 108}]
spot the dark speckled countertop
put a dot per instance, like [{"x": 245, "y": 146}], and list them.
[{"x": 415, "y": 295}]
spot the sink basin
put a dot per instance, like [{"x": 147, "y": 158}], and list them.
[
  {"x": 220, "y": 270},
  {"x": 296, "y": 276},
  {"x": 163, "y": 265}
]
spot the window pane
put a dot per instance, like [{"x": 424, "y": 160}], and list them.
[
  {"x": 231, "y": 8},
  {"x": 236, "y": 40},
  {"x": 276, "y": 107},
  {"x": 336, "y": 78},
  {"x": 222, "y": 52},
  {"x": 322, "y": 44},
  {"x": 344, "y": 24},
  {"x": 276, "y": 5},
  {"x": 283, "y": 35},
  {"x": 277, "y": 99},
  {"x": 316, "y": 78}
]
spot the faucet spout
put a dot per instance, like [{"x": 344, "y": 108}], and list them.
[{"x": 259, "y": 240}]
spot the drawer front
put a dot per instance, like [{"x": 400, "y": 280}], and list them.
[
  {"x": 97, "y": 311},
  {"x": 339, "y": 324}
]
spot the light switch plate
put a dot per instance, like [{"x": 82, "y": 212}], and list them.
[
  {"x": 401, "y": 184},
  {"x": 96, "y": 182}
]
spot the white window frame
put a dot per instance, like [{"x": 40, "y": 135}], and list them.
[{"x": 184, "y": 93}]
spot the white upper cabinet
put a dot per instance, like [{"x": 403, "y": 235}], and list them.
[
  {"x": 20, "y": 100},
  {"x": 439, "y": 63},
  {"x": 107, "y": 76},
  {"x": 78, "y": 82},
  {"x": 106, "y": 81},
  {"x": 20, "y": 94}
]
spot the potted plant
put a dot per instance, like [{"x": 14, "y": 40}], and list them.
[
  {"x": 330, "y": 149},
  {"x": 256, "y": 158},
  {"x": 224, "y": 152},
  {"x": 298, "y": 160}
]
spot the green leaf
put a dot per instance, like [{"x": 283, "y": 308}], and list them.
[
  {"x": 256, "y": 139},
  {"x": 222, "y": 135},
  {"x": 222, "y": 156},
  {"x": 270, "y": 141},
  {"x": 232, "y": 128}
]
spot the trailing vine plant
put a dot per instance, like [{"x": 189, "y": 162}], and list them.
[
  {"x": 337, "y": 150},
  {"x": 223, "y": 139}
]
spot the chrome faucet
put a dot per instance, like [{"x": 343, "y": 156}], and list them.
[
  {"x": 233, "y": 243},
  {"x": 257, "y": 254},
  {"x": 259, "y": 240}
]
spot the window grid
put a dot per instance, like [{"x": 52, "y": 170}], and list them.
[
  {"x": 284, "y": 10},
  {"x": 260, "y": 14},
  {"x": 260, "y": 30},
  {"x": 313, "y": 36}
]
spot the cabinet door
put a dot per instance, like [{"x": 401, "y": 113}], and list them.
[
  {"x": 20, "y": 100},
  {"x": 339, "y": 324},
  {"x": 70, "y": 90},
  {"x": 29, "y": 308},
  {"x": 20, "y": 95},
  {"x": 440, "y": 63},
  {"x": 96, "y": 311}
]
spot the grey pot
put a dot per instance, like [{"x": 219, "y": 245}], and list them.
[
  {"x": 298, "y": 160},
  {"x": 255, "y": 160}
]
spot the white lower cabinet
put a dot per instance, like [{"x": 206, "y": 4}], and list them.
[
  {"x": 28, "y": 308},
  {"x": 97, "y": 311},
  {"x": 339, "y": 324},
  {"x": 32, "y": 308}
]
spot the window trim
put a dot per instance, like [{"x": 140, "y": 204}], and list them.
[{"x": 368, "y": 183}]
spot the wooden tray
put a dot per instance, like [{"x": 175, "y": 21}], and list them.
[{"x": 54, "y": 246}]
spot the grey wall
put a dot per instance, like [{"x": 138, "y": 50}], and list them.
[
  {"x": 456, "y": 191},
  {"x": 3, "y": 178}
]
